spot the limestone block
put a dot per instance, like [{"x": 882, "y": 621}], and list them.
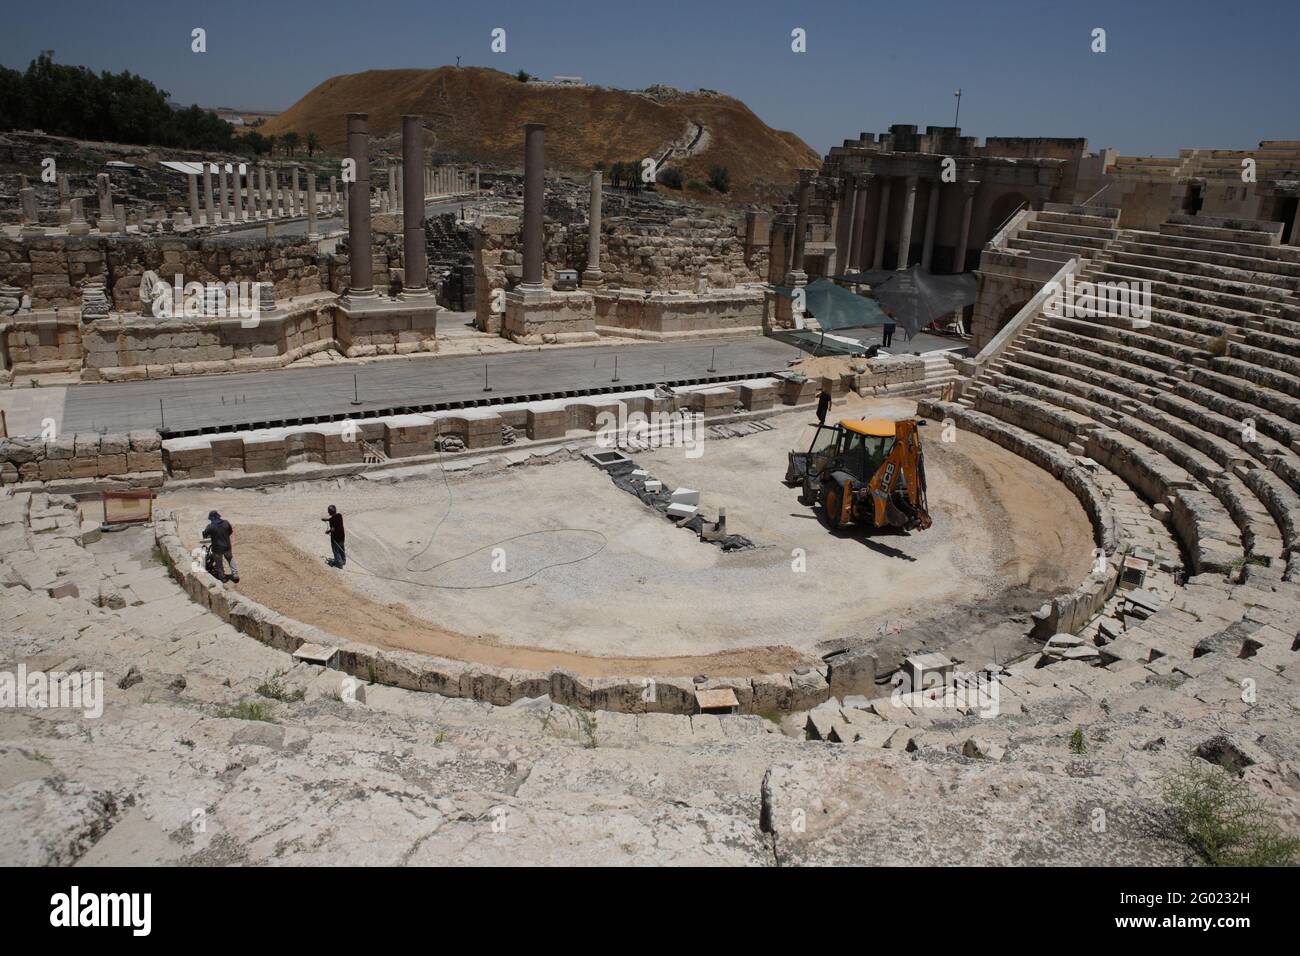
[
  {"x": 550, "y": 423},
  {"x": 757, "y": 397}
]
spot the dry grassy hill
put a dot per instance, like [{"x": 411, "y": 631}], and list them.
[{"x": 477, "y": 115}]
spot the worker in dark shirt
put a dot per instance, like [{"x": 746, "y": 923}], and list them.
[
  {"x": 823, "y": 405},
  {"x": 218, "y": 534},
  {"x": 887, "y": 333},
  {"x": 335, "y": 531}
]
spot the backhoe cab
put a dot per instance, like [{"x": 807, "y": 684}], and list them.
[{"x": 869, "y": 473}]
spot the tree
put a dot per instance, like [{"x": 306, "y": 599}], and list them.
[
  {"x": 672, "y": 178},
  {"x": 271, "y": 142},
  {"x": 255, "y": 143},
  {"x": 313, "y": 143},
  {"x": 720, "y": 178},
  {"x": 290, "y": 141},
  {"x": 522, "y": 76}
]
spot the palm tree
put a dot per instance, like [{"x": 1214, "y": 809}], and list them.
[
  {"x": 290, "y": 141},
  {"x": 313, "y": 143},
  {"x": 270, "y": 144}
]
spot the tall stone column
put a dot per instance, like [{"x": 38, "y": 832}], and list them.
[
  {"x": 31, "y": 220},
  {"x": 592, "y": 275},
  {"x": 346, "y": 213},
  {"x": 905, "y": 228},
  {"x": 401, "y": 185},
  {"x": 415, "y": 257},
  {"x": 267, "y": 211},
  {"x": 273, "y": 183},
  {"x": 254, "y": 206},
  {"x": 882, "y": 218},
  {"x": 295, "y": 193},
  {"x": 392, "y": 188},
  {"x": 104, "y": 187},
  {"x": 776, "y": 249},
  {"x": 311, "y": 206},
  {"x": 194, "y": 197},
  {"x": 209, "y": 212},
  {"x": 225, "y": 194},
  {"x": 236, "y": 193},
  {"x": 844, "y": 223},
  {"x": 534, "y": 204},
  {"x": 963, "y": 240},
  {"x": 931, "y": 219},
  {"x": 857, "y": 260},
  {"x": 797, "y": 276},
  {"x": 476, "y": 182},
  {"x": 362, "y": 282},
  {"x": 334, "y": 196},
  {"x": 65, "y": 199}
]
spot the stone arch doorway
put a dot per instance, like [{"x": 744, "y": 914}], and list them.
[{"x": 1003, "y": 207}]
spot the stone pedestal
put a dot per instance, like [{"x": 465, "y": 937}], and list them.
[
  {"x": 370, "y": 325},
  {"x": 78, "y": 225},
  {"x": 545, "y": 317},
  {"x": 104, "y": 186}
]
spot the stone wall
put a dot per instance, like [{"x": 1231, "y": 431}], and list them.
[
  {"x": 663, "y": 315},
  {"x": 52, "y": 268},
  {"x": 83, "y": 455}
]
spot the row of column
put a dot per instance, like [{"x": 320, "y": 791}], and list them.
[
  {"x": 437, "y": 181},
  {"x": 240, "y": 198},
  {"x": 856, "y": 195},
  {"x": 361, "y": 284}
]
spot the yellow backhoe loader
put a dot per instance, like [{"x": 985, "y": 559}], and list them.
[{"x": 866, "y": 473}]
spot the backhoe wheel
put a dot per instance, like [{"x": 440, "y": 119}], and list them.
[
  {"x": 833, "y": 492},
  {"x": 807, "y": 496}
]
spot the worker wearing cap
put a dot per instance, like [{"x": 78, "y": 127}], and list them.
[{"x": 218, "y": 533}]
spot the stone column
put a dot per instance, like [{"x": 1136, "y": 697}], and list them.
[
  {"x": 931, "y": 218},
  {"x": 267, "y": 212},
  {"x": 882, "y": 218},
  {"x": 334, "y": 196},
  {"x": 236, "y": 193},
  {"x": 905, "y": 228},
  {"x": 797, "y": 276},
  {"x": 209, "y": 213},
  {"x": 311, "y": 206},
  {"x": 857, "y": 260},
  {"x": 963, "y": 241},
  {"x": 844, "y": 223},
  {"x": 361, "y": 282},
  {"x": 476, "y": 181},
  {"x": 273, "y": 183},
  {"x": 30, "y": 216},
  {"x": 119, "y": 217},
  {"x": 392, "y": 188},
  {"x": 592, "y": 275},
  {"x": 77, "y": 225},
  {"x": 254, "y": 199},
  {"x": 65, "y": 199},
  {"x": 346, "y": 194},
  {"x": 776, "y": 247},
  {"x": 401, "y": 186},
  {"x": 295, "y": 195},
  {"x": 225, "y": 193},
  {"x": 194, "y": 198},
  {"x": 534, "y": 203},
  {"x": 415, "y": 257},
  {"x": 104, "y": 187}
]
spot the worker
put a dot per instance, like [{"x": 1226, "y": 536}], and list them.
[
  {"x": 823, "y": 405},
  {"x": 887, "y": 333},
  {"x": 218, "y": 533},
  {"x": 335, "y": 531}
]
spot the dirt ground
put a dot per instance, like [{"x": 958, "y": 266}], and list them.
[{"x": 548, "y": 565}]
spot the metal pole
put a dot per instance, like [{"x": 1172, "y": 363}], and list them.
[
  {"x": 713, "y": 355},
  {"x": 615, "y": 378},
  {"x": 486, "y": 386},
  {"x": 356, "y": 398},
  {"x": 161, "y": 418}
]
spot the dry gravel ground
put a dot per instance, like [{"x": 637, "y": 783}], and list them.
[{"x": 639, "y": 595}]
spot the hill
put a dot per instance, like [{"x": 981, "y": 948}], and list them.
[{"x": 477, "y": 115}]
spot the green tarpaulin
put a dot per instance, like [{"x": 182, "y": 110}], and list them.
[{"x": 835, "y": 307}]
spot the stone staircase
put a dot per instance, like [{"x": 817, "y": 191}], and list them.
[{"x": 1196, "y": 407}]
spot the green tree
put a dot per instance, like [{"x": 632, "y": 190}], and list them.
[
  {"x": 720, "y": 178},
  {"x": 672, "y": 178},
  {"x": 522, "y": 76},
  {"x": 313, "y": 143},
  {"x": 290, "y": 141}
]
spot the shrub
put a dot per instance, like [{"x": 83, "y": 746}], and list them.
[
  {"x": 672, "y": 178},
  {"x": 696, "y": 186},
  {"x": 1216, "y": 815},
  {"x": 720, "y": 178}
]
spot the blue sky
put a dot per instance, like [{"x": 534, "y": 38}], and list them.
[{"x": 1175, "y": 74}]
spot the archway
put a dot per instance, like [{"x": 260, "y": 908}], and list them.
[{"x": 1002, "y": 209}]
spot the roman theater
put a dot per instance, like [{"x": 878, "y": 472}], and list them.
[{"x": 556, "y": 408}]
